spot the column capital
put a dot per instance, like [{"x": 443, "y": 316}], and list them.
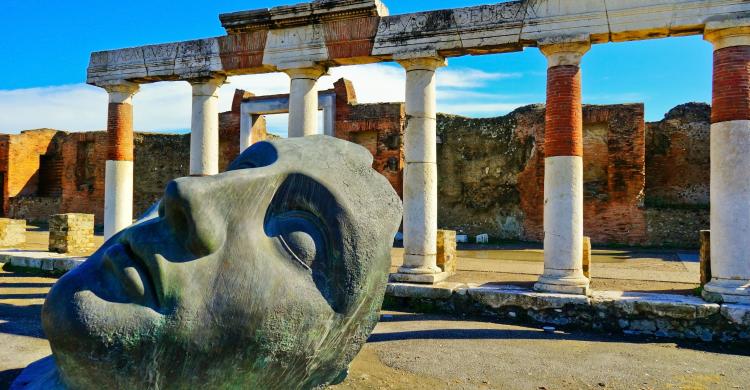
[
  {"x": 728, "y": 33},
  {"x": 420, "y": 60},
  {"x": 207, "y": 86},
  {"x": 306, "y": 71},
  {"x": 120, "y": 91},
  {"x": 564, "y": 50}
]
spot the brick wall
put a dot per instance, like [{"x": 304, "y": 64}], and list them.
[
  {"x": 21, "y": 156},
  {"x": 378, "y": 127}
]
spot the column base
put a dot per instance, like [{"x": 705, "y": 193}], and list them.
[
  {"x": 432, "y": 278},
  {"x": 727, "y": 291},
  {"x": 563, "y": 285}
]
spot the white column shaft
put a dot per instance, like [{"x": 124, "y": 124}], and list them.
[
  {"x": 303, "y": 107},
  {"x": 118, "y": 196},
  {"x": 563, "y": 222},
  {"x": 420, "y": 174},
  {"x": 730, "y": 214},
  {"x": 204, "y": 129}
]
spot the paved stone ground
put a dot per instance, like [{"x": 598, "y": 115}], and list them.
[{"x": 438, "y": 352}]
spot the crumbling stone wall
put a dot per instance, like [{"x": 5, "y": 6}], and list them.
[
  {"x": 677, "y": 159},
  {"x": 678, "y": 175},
  {"x": 491, "y": 174}
]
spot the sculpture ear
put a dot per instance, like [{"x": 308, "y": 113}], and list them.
[
  {"x": 260, "y": 154},
  {"x": 306, "y": 220}
]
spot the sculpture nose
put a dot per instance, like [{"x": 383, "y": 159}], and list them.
[{"x": 191, "y": 209}]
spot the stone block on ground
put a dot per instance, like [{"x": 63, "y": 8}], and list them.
[
  {"x": 446, "y": 251},
  {"x": 12, "y": 232},
  {"x": 71, "y": 233}
]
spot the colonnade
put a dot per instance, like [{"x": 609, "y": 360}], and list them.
[{"x": 563, "y": 148}]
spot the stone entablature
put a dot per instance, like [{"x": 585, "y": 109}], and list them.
[{"x": 343, "y": 32}]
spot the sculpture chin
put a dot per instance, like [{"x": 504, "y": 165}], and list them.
[{"x": 269, "y": 275}]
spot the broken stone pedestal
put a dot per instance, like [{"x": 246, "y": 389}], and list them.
[
  {"x": 71, "y": 233},
  {"x": 12, "y": 231},
  {"x": 446, "y": 251}
]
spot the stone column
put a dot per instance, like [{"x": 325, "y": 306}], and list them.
[
  {"x": 563, "y": 169},
  {"x": 420, "y": 174},
  {"x": 204, "y": 128},
  {"x": 730, "y": 162},
  {"x": 303, "y": 100},
  {"x": 118, "y": 176}
]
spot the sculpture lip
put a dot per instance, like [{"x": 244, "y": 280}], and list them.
[{"x": 133, "y": 273}]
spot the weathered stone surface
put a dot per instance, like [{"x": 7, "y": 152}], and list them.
[
  {"x": 519, "y": 297},
  {"x": 737, "y": 313},
  {"x": 71, "y": 233},
  {"x": 659, "y": 305},
  {"x": 437, "y": 291},
  {"x": 660, "y": 315},
  {"x": 446, "y": 251},
  {"x": 269, "y": 275},
  {"x": 12, "y": 232},
  {"x": 45, "y": 261}
]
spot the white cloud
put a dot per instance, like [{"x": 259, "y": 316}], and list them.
[{"x": 166, "y": 106}]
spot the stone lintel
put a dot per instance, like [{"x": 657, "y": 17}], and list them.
[
  {"x": 301, "y": 14},
  {"x": 728, "y": 32}
]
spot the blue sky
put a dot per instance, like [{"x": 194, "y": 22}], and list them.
[{"x": 46, "y": 47}]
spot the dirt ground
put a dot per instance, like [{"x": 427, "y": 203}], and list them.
[{"x": 411, "y": 351}]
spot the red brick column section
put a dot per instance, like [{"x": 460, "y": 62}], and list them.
[
  {"x": 563, "y": 134},
  {"x": 118, "y": 176},
  {"x": 120, "y": 132},
  {"x": 730, "y": 161},
  {"x": 731, "y": 84}
]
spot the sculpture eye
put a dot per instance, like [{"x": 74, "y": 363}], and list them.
[{"x": 299, "y": 235}]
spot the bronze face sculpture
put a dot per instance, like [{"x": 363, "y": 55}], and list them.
[{"x": 269, "y": 275}]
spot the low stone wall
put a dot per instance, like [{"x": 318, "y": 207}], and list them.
[
  {"x": 33, "y": 208},
  {"x": 631, "y": 313},
  {"x": 12, "y": 231}
]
